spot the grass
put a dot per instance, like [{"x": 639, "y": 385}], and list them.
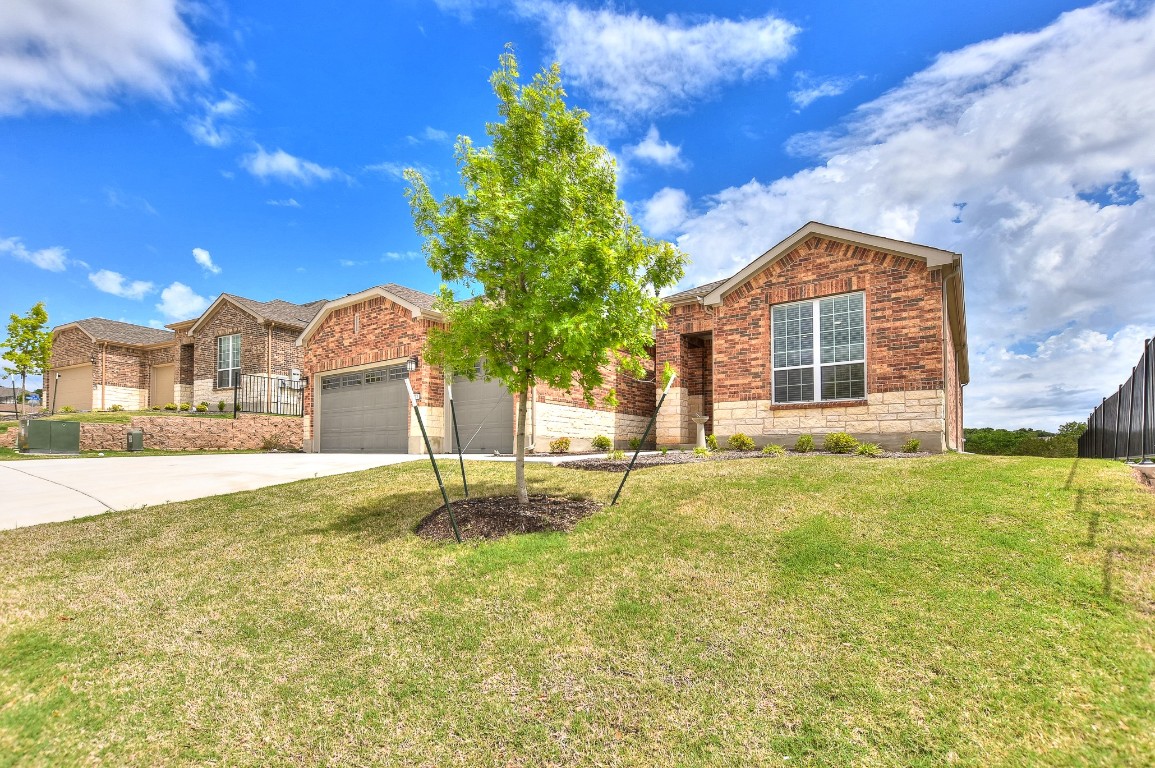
[{"x": 807, "y": 610}]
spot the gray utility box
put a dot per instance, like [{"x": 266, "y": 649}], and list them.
[
  {"x": 51, "y": 436},
  {"x": 135, "y": 440}
]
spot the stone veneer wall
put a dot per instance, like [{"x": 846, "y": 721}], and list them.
[
  {"x": 888, "y": 418},
  {"x": 190, "y": 433}
]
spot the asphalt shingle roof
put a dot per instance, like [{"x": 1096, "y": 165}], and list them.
[
  {"x": 693, "y": 293},
  {"x": 123, "y": 333},
  {"x": 416, "y": 298},
  {"x": 280, "y": 311}
]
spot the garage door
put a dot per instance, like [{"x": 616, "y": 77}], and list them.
[
  {"x": 161, "y": 390},
  {"x": 365, "y": 411},
  {"x": 484, "y": 415},
  {"x": 74, "y": 388}
]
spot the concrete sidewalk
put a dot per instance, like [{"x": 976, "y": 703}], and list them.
[{"x": 52, "y": 490}]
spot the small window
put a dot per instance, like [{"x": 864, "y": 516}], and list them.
[
  {"x": 228, "y": 361},
  {"x": 819, "y": 349}
]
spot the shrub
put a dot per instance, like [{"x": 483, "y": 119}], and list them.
[
  {"x": 773, "y": 450},
  {"x": 561, "y": 445},
  {"x": 663, "y": 450},
  {"x": 602, "y": 443},
  {"x": 911, "y": 446},
  {"x": 236, "y": 407},
  {"x": 68, "y": 409},
  {"x": 839, "y": 442},
  {"x": 869, "y": 449},
  {"x": 273, "y": 442},
  {"x": 618, "y": 455},
  {"x": 740, "y": 442},
  {"x": 203, "y": 408},
  {"x": 712, "y": 442},
  {"x": 186, "y": 406},
  {"x": 117, "y": 407},
  {"x": 156, "y": 408},
  {"x": 635, "y": 443},
  {"x": 700, "y": 451},
  {"x": 205, "y": 404},
  {"x": 221, "y": 406},
  {"x": 804, "y": 444},
  {"x": 170, "y": 407}
]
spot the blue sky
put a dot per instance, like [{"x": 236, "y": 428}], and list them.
[{"x": 154, "y": 153}]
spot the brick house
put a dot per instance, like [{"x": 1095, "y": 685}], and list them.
[
  {"x": 355, "y": 351},
  {"x": 830, "y": 330},
  {"x": 237, "y": 336},
  {"x": 98, "y": 363}
]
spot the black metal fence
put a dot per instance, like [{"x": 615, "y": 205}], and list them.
[
  {"x": 263, "y": 394},
  {"x": 1123, "y": 426}
]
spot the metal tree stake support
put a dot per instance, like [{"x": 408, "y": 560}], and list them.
[
  {"x": 456, "y": 434},
  {"x": 644, "y": 436},
  {"x": 433, "y": 461}
]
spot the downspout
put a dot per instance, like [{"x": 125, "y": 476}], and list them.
[{"x": 103, "y": 373}]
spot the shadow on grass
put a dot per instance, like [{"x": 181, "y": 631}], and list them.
[{"x": 389, "y": 516}]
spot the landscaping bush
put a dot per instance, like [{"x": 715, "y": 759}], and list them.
[
  {"x": 117, "y": 407},
  {"x": 186, "y": 406},
  {"x": 700, "y": 451},
  {"x": 221, "y": 406},
  {"x": 204, "y": 403},
  {"x": 911, "y": 446},
  {"x": 635, "y": 443},
  {"x": 869, "y": 449},
  {"x": 663, "y": 450},
  {"x": 561, "y": 445},
  {"x": 773, "y": 450},
  {"x": 740, "y": 442},
  {"x": 68, "y": 409},
  {"x": 617, "y": 455},
  {"x": 156, "y": 408},
  {"x": 170, "y": 407},
  {"x": 804, "y": 444},
  {"x": 712, "y": 442},
  {"x": 839, "y": 442},
  {"x": 273, "y": 442},
  {"x": 203, "y": 408},
  {"x": 602, "y": 443}
]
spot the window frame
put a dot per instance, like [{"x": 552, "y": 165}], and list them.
[
  {"x": 816, "y": 366},
  {"x": 233, "y": 371}
]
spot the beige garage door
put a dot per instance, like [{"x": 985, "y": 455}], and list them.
[
  {"x": 160, "y": 391},
  {"x": 74, "y": 388}
]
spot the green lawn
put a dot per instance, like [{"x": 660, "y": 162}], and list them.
[{"x": 809, "y": 610}]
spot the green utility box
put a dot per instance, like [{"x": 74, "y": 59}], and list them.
[
  {"x": 135, "y": 440},
  {"x": 51, "y": 436}
]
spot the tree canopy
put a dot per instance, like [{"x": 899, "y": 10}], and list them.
[
  {"x": 28, "y": 347},
  {"x": 567, "y": 284}
]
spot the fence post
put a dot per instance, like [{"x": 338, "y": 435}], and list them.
[{"x": 236, "y": 389}]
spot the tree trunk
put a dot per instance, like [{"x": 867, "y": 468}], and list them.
[
  {"x": 519, "y": 447},
  {"x": 23, "y": 386}
]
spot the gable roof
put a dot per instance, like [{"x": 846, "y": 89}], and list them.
[
  {"x": 101, "y": 329},
  {"x": 419, "y": 304},
  {"x": 692, "y": 295},
  {"x": 277, "y": 311}
]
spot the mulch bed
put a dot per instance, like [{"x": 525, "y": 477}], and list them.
[
  {"x": 602, "y": 464},
  {"x": 493, "y": 517}
]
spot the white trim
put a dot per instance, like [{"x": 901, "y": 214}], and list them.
[
  {"x": 934, "y": 257},
  {"x": 817, "y": 365},
  {"x": 357, "y": 298}
]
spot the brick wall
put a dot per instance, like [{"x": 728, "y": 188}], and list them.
[
  {"x": 189, "y": 433},
  {"x": 954, "y": 400},
  {"x": 226, "y": 320}
]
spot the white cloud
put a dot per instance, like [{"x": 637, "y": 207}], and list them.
[
  {"x": 179, "y": 302},
  {"x": 210, "y": 126},
  {"x": 118, "y": 285},
  {"x": 53, "y": 259},
  {"x": 665, "y": 212},
  {"x": 350, "y": 263},
  {"x": 117, "y": 199},
  {"x": 205, "y": 259},
  {"x": 990, "y": 151},
  {"x": 396, "y": 171},
  {"x": 809, "y": 89},
  {"x": 653, "y": 150},
  {"x": 405, "y": 256},
  {"x": 429, "y": 134},
  {"x": 82, "y": 55},
  {"x": 282, "y": 166},
  {"x": 290, "y": 203},
  {"x": 641, "y": 66}
]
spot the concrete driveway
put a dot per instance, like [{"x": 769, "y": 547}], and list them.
[{"x": 51, "y": 490}]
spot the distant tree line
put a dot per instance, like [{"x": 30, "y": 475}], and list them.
[{"x": 1026, "y": 441}]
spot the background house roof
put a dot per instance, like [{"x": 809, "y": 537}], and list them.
[
  {"x": 280, "y": 311},
  {"x": 101, "y": 329},
  {"x": 693, "y": 294}
]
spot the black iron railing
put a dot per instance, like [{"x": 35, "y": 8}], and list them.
[
  {"x": 264, "y": 394},
  {"x": 1123, "y": 426}
]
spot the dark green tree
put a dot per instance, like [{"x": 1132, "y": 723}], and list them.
[{"x": 568, "y": 283}]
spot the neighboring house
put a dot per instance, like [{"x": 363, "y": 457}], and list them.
[
  {"x": 830, "y": 330},
  {"x": 355, "y": 353},
  {"x": 98, "y": 363},
  {"x": 8, "y": 395}
]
